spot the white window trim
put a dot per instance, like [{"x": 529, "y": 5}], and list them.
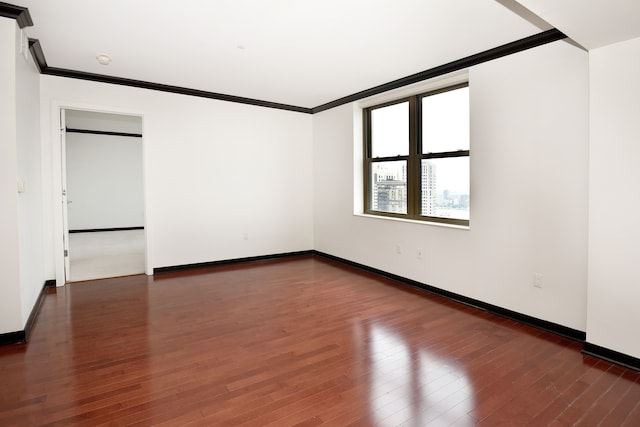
[{"x": 358, "y": 156}]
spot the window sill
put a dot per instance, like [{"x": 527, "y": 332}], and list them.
[{"x": 414, "y": 221}]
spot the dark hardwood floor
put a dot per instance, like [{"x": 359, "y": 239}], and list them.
[{"x": 300, "y": 341}]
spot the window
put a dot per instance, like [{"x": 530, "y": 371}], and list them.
[{"x": 416, "y": 155}]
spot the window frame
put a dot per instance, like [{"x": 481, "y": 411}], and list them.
[{"x": 413, "y": 159}]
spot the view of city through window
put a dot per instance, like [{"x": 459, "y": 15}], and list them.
[
  {"x": 443, "y": 179},
  {"x": 444, "y": 195},
  {"x": 389, "y": 187}
]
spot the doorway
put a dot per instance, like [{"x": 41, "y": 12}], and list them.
[{"x": 103, "y": 195}]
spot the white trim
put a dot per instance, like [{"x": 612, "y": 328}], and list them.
[
  {"x": 56, "y": 180},
  {"x": 440, "y": 82},
  {"x": 415, "y": 89},
  {"x": 414, "y": 221}
]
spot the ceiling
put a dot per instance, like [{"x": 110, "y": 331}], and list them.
[
  {"x": 302, "y": 52},
  {"x": 591, "y": 23}
]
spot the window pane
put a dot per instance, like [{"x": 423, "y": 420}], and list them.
[
  {"x": 390, "y": 130},
  {"x": 389, "y": 186},
  {"x": 445, "y": 187},
  {"x": 445, "y": 121}
]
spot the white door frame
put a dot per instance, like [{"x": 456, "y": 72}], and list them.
[
  {"x": 56, "y": 159},
  {"x": 65, "y": 200}
]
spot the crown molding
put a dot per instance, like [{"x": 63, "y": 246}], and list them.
[
  {"x": 19, "y": 13},
  {"x": 535, "y": 40},
  {"x": 36, "y": 50},
  {"x": 38, "y": 55},
  {"x": 460, "y": 64}
]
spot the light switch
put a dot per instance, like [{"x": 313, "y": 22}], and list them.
[{"x": 20, "y": 186}]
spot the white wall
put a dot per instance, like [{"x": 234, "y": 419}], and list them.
[
  {"x": 614, "y": 279},
  {"x": 21, "y": 254},
  {"x": 29, "y": 172},
  {"x": 213, "y": 171},
  {"x": 104, "y": 181},
  {"x": 10, "y": 298},
  {"x": 529, "y": 167}
]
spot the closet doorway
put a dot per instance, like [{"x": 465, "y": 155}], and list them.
[{"x": 103, "y": 195}]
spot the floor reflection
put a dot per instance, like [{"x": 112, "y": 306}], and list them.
[{"x": 414, "y": 387}]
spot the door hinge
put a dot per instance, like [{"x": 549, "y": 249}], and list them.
[{"x": 66, "y": 252}]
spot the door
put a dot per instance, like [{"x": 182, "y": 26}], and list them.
[
  {"x": 102, "y": 158},
  {"x": 65, "y": 202}
]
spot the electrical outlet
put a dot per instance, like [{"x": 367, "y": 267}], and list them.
[
  {"x": 398, "y": 249},
  {"x": 246, "y": 236},
  {"x": 538, "y": 280}
]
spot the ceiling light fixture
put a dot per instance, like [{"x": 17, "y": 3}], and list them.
[{"x": 103, "y": 59}]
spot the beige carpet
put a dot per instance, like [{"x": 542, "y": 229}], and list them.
[{"x": 100, "y": 255}]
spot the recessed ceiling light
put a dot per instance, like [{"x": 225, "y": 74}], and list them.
[{"x": 103, "y": 59}]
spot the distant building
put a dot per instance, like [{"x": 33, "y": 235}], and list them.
[
  {"x": 391, "y": 196},
  {"x": 428, "y": 202},
  {"x": 390, "y": 190}
]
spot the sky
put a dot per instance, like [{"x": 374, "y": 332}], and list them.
[{"x": 445, "y": 127}]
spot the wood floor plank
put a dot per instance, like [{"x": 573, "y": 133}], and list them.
[
  {"x": 296, "y": 342},
  {"x": 626, "y": 399}
]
